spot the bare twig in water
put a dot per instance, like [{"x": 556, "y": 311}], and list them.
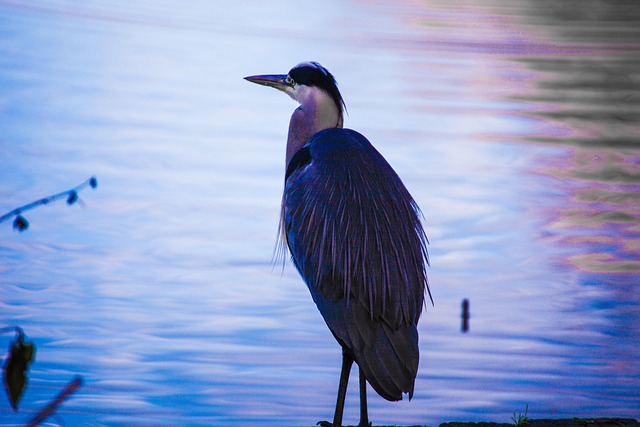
[{"x": 20, "y": 223}]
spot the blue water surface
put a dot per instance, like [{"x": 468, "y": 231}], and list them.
[{"x": 515, "y": 125}]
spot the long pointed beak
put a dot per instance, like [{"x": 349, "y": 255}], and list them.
[{"x": 278, "y": 81}]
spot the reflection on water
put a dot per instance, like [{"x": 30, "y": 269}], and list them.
[
  {"x": 514, "y": 124},
  {"x": 595, "y": 94}
]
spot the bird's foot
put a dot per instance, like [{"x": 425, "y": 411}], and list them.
[{"x": 328, "y": 424}]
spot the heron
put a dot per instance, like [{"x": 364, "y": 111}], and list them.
[{"x": 356, "y": 237}]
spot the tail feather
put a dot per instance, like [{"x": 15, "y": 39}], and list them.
[
  {"x": 388, "y": 357},
  {"x": 391, "y": 364}
]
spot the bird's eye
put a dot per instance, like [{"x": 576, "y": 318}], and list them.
[{"x": 290, "y": 81}]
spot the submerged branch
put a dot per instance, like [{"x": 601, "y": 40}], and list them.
[{"x": 53, "y": 405}]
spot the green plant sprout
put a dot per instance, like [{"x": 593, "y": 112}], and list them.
[{"x": 521, "y": 420}]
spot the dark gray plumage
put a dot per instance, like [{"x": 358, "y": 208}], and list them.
[{"x": 355, "y": 235}]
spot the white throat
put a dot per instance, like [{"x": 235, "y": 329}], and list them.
[{"x": 317, "y": 111}]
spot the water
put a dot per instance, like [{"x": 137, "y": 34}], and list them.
[{"x": 515, "y": 125}]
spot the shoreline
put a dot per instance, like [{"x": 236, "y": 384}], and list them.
[{"x": 541, "y": 422}]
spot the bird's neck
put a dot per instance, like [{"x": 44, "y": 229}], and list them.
[{"x": 317, "y": 112}]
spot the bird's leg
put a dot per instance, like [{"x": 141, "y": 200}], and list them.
[
  {"x": 347, "y": 361},
  {"x": 364, "y": 413}
]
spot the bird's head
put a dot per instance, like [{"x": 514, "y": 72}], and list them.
[{"x": 303, "y": 81}]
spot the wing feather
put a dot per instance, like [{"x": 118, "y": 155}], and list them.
[
  {"x": 355, "y": 235},
  {"x": 347, "y": 216}
]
